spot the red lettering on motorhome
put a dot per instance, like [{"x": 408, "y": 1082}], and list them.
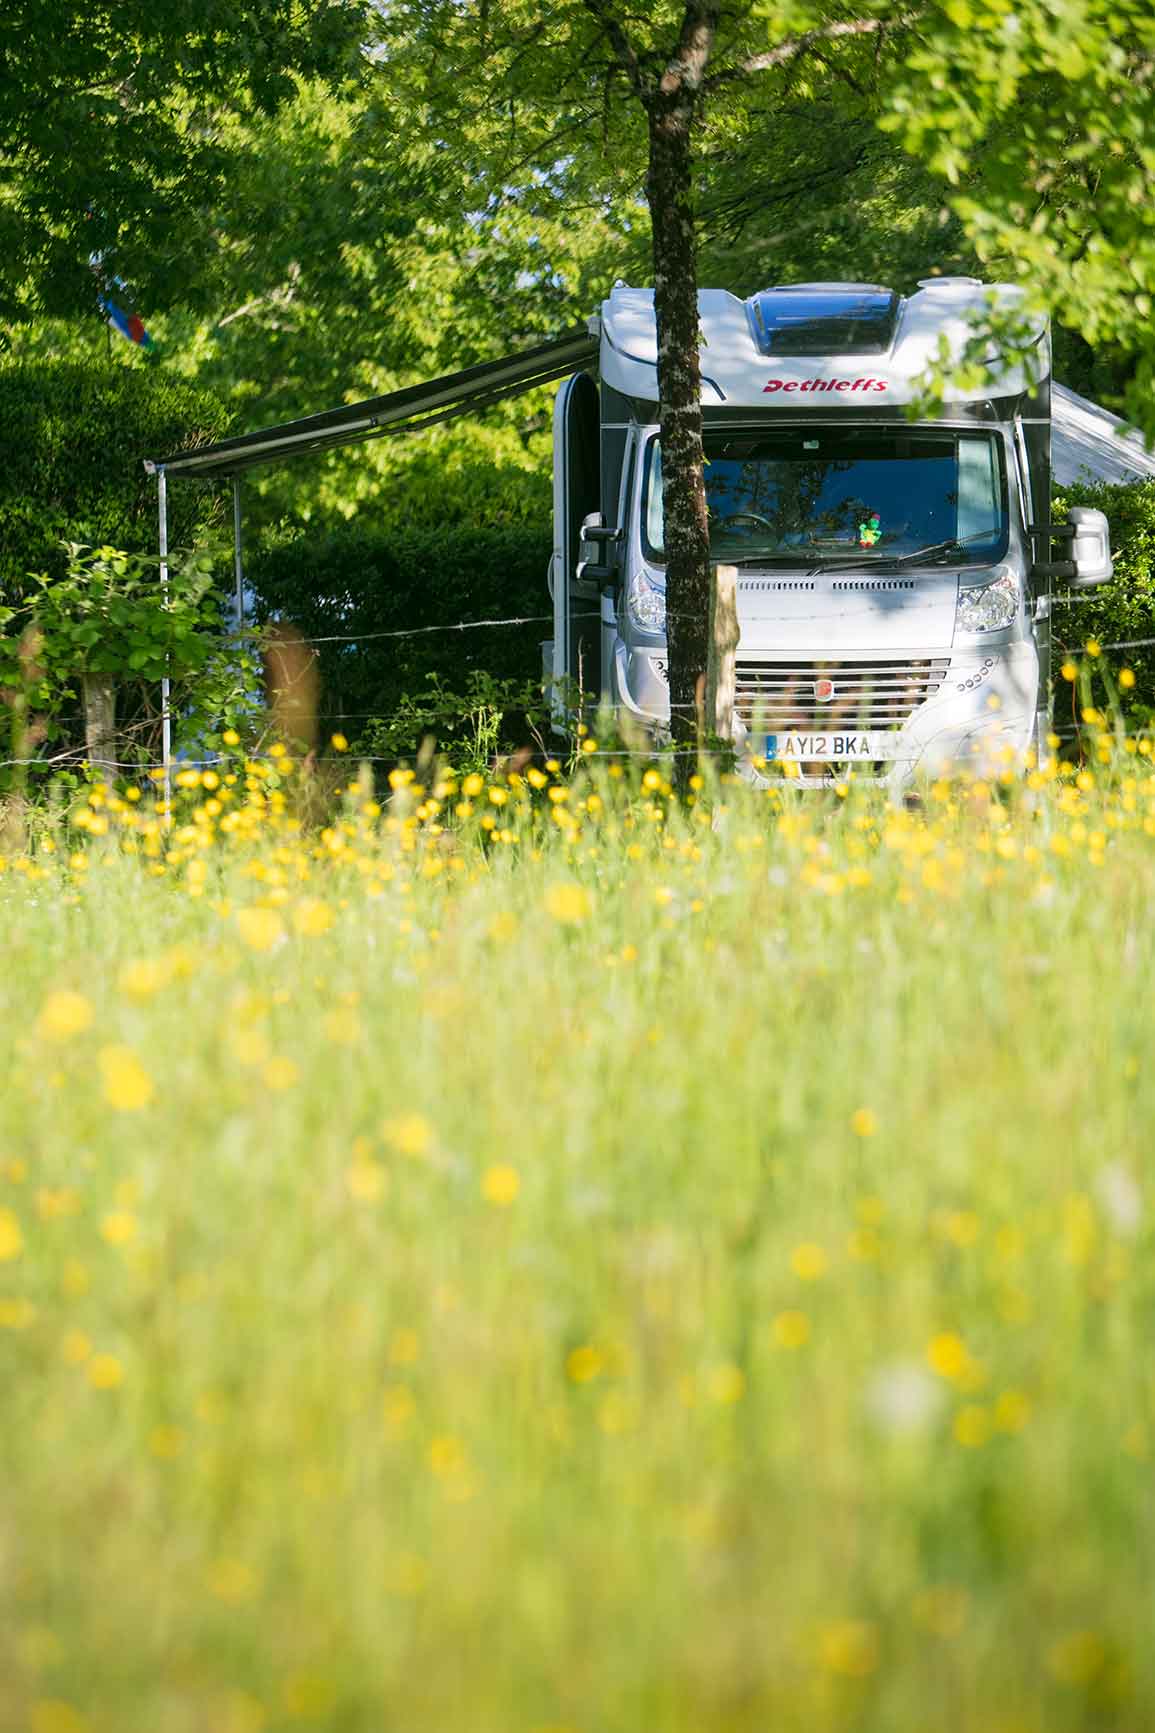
[{"x": 826, "y": 385}]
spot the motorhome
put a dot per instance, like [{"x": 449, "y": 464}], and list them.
[
  {"x": 895, "y": 574},
  {"x": 895, "y": 577}
]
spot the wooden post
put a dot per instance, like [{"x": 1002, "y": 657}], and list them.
[
  {"x": 721, "y": 668},
  {"x": 99, "y": 691}
]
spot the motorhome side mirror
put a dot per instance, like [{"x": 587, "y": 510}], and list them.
[
  {"x": 1086, "y": 536},
  {"x": 1090, "y": 547},
  {"x": 597, "y": 560}
]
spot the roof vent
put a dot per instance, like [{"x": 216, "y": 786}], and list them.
[{"x": 824, "y": 319}]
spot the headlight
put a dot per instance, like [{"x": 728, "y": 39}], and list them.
[
  {"x": 989, "y": 608},
  {"x": 647, "y": 603}
]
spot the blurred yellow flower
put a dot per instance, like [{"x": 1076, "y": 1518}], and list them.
[
  {"x": 727, "y": 1384},
  {"x": 125, "y": 1083},
  {"x": 404, "y": 1348},
  {"x": 339, "y": 743},
  {"x": 54, "y": 1715},
  {"x": 809, "y": 1262},
  {"x": 260, "y": 929},
  {"x": 500, "y": 1184},
  {"x": 791, "y": 1329},
  {"x": 118, "y": 1228},
  {"x": 342, "y": 1026},
  {"x": 583, "y": 1364},
  {"x": 1077, "y": 1659},
  {"x": 408, "y": 1133},
  {"x": 280, "y": 1073},
  {"x": 312, "y": 918},
  {"x": 63, "y": 1015},
  {"x": 947, "y": 1355},
  {"x": 849, "y": 1647},
  {"x": 863, "y": 1122},
  {"x": 16, "y": 1314},
  {"x": 365, "y": 1180},
  {"x": 105, "y": 1372},
  {"x": 569, "y": 904},
  {"x": 142, "y": 978},
  {"x": 232, "y": 1580},
  {"x": 1012, "y": 1411},
  {"x": 973, "y": 1426}
]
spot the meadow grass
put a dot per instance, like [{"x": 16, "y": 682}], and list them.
[{"x": 582, "y": 1260}]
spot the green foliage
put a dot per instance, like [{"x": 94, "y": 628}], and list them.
[
  {"x": 473, "y": 725},
  {"x": 1043, "y": 113},
  {"x": 108, "y": 615},
  {"x": 113, "y": 137},
  {"x": 352, "y": 584},
  {"x": 74, "y": 436},
  {"x": 1123, "y": 611}
]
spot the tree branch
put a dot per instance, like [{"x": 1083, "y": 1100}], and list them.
[
  {"x": 799, "y": 44},
  {"x": 687, "y": 66},
  {"x": 625, "y": 53}
]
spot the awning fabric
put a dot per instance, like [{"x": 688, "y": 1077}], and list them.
[{"x": 417, "y": 406}]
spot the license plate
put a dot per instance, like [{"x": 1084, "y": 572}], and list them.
[{"x": 836, "y": 747}]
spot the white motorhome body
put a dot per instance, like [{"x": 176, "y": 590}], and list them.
[{"x": 893, "y": 603}]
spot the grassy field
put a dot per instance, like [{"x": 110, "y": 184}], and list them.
[{"x": 572, "y": 1260}]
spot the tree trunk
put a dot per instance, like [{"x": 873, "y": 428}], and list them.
[
  {"x": 100, "y": 722},
  {"x": 669, "y": 189}
]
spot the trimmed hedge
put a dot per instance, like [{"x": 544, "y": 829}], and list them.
[
  {"x": 74, "y": 437},
  {"x": 352, "y": 584}
]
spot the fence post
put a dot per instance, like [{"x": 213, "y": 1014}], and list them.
[{"x": 721, "y": 668}]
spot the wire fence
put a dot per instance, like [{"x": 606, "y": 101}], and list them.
[{"x": 420, "y": 714}]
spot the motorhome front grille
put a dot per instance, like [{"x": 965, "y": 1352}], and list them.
[{"x": 817, "y": 697}]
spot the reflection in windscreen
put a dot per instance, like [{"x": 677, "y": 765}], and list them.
[{"x": 858, "y": 493}]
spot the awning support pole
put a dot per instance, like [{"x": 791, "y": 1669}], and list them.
[
  {"x": 165, "y": 684},
  {"x": 238, "y": 562}
]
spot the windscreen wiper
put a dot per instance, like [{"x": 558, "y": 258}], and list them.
[
  {"x": 790, "y": 559},
  {"x": 933, "y": 548}
]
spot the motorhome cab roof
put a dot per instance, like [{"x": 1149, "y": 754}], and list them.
[{"x": 816, "y": 345}]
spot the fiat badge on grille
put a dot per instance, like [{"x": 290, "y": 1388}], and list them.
[{"x": 824, "y": 690}]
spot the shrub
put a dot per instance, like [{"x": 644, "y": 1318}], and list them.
[
  {"x": 74, "y": 437},
  {"x": 350, "y": 585},
  {"x": 1124, "y": 610}
]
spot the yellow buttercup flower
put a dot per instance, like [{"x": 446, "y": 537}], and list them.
[
  {"x": 125, "y": 1083},
  {"x": 408, "y": 1133},
  {"x": 500, "y": 1184},
  {"x": 568, "y": 904},
  {"x": 261, "y": 929},
  {"x": 63, "y": 1015},
  {"x": 809, "y": 1262}
]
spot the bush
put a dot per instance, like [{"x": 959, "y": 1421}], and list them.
[
  {"x": 1123, "y": 610},
  {"x": 350, "y": 584},
  {"x": 74, "y": 437}
]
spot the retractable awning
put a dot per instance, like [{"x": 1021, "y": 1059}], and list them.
[{"x": 406, "y": 411}]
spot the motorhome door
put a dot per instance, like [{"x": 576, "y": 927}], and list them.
[{"x": 576, "y": 493}]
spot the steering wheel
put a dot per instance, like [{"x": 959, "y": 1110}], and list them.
[{"x": 748, "y": 517}]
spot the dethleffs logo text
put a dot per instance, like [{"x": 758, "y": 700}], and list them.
[{"x": 825, "y": 385}]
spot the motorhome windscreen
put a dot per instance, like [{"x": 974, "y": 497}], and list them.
[{"x": 817, "y": 494}]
